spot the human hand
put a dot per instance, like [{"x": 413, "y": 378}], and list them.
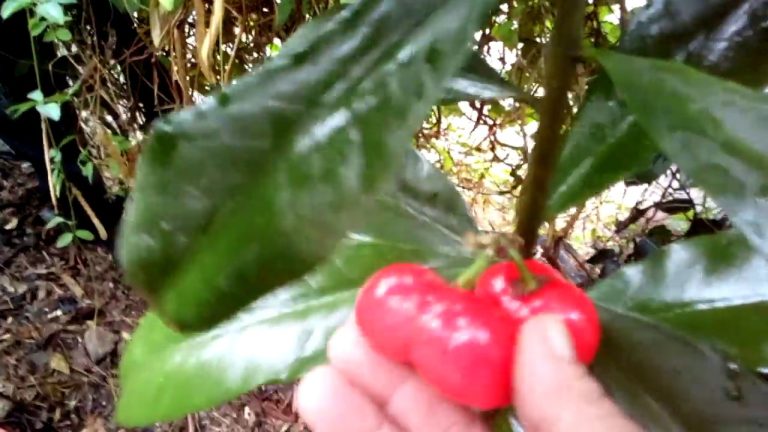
[{"x": 361, "y": 391}]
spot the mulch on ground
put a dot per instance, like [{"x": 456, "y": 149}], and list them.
[{"x": 65, "y": 317}]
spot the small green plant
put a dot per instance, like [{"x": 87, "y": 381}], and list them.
[
  {"x": 85, "y": 163},
  {"x": 46, "y": 108},
  {"x": 46, "y": 17},
  {"x": 70, "y": 233},
  {"x": 57, "y": 170}
]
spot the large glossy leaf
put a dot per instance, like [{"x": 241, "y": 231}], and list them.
[
  {"x": 665, "y": 28},
  {"x": 165, "y": 374},
  {"x": 256, "y": 186},
  {"x": 604, "y": 144},
  {"x": 477, "y": 80},
  {"x": 735, "y": 49},
  {"x": 713, "y": 288},
  {"x": 724, "y": 37},
  {"x": 713, "y": 129},
  {"x": 668, "y": 382}
]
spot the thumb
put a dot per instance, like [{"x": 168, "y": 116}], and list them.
[{"x": 553, "y": 391}]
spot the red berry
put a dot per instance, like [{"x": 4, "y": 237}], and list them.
[
  {"x": 464, "y": 348},
  {"x": 501, "y": 282},
  {"x": 390, "y": 303},
  {"x": 554, "y": 295}
]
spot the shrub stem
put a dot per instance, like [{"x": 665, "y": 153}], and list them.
[{"x": 560, "y": 67}]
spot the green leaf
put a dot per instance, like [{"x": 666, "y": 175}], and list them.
[
  {"x": 713, "y": 288},
  {"x": 506, "y": 32},
  {"x": 20, "y": 108},
  {"x": 51, "y": 11},
  {"x": 37, "y": 26},
  {"x": 736, "y": 48},
  {"x": 63, "y": 34},
  {"x": 170, "y": 5},
  {"x": 657, "y": 168},
  {"x": 666, "y": 27},
  {"x": 87, "y": 170},
  {"x": 50, "y": 35},
  {"x": 50, "y": 110},
  {"x": 477, "y": 80},
  {"x": 130, "y": 6},
  {"x": 723, "y": 37},
  {"x": 55, "y": 221},
  {"x": 713, "y": 129},
  {"x": 65, "y": 239},
  {"x": 605, "y": 144},
  {"x": 668, "y": 382},
  {"x": 84, "y": 235},
  {"x": 713, "y": 34},
  {"x": 36, "y": 95},
  {"x": 256, "y": 186},
  {"x": 10, "y": 7},
  {"x": 165, "y": 374},
  {"x": 284, "y": 11},
  {"x": 55, "y": 154}
]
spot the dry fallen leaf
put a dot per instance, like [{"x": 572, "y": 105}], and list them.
[
  {"x": 72, "y": 284},
  {"x": 59, "y": 363},
  {"x": 11, "y": 224},
  {"x": 99, "y": 342},
  {"x": 5, "y": 407},
  {"x": 94, "y": 424}
]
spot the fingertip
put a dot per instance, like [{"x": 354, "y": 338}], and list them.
[
  {"x": 545, "y": 364},
  {"x": 311, "y": 389},
  {"x": 345, "y": 340},
  {"x": 325, "y": 399}
]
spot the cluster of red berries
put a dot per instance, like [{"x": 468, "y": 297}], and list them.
[{"x": 463, "y": 342}]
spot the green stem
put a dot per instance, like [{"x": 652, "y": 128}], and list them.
[
  {"x": 499, "y": 420},
  {"x": 466, "y": 279},
  {"x": 529, "y": 281},
  {"x": 34, "y": 54},
  {"x": 560, "y": 68}
]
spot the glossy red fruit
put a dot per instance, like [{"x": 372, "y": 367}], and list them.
[
  {"x": 389, "y": 304},
  {"x": 554, "y": 295},
  {"x": 502, "y": 282},
  {"x": 464, "y": 348}
]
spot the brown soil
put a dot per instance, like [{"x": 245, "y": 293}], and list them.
[{"x": 49, "y": 298}]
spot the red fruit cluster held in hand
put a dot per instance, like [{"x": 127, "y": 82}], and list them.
[
  {"x": 459, "y": 343},
  {"x": 463, "y": 342}
]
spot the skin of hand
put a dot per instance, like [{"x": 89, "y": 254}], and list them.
[{"x": 361, "y": 391}]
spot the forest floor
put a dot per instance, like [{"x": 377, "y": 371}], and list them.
[{"x": 65, "y": 318}]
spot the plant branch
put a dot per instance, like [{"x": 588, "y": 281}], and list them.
[
  {"x": 560, "y": 67},
  {"x": 43, "y": 124}
]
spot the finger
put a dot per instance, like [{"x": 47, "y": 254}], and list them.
[
  {"x": 329, "y": 403},
  {"x": 553, "y": 391},
  {"x": 405, "y": 397}
]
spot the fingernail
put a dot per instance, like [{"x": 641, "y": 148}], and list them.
[{"x": 559, "y": 338}]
